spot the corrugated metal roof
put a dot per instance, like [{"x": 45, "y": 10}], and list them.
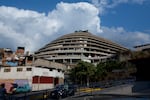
[{"x": 49, "y": 64}]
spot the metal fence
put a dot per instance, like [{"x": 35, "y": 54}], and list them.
[
  {"x": 80, "y": 90},
  {"x": 97, "y": 86}
]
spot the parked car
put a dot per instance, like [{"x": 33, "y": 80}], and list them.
[
  {"x": 62, "y": 91},
  {"x": 21, "y": 89}
]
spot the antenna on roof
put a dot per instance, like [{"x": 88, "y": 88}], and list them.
[
  {"x": 85, "y": 31},
  {"x": 82, "y": 31}
]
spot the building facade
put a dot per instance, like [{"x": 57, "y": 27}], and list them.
[
  {"x": 145, "y": 47},
  {"x": 38, "y": 78},
  {"x": 23, "y": 70},
  {"x": 15, "y": 58},
  {"x": 80, "y": 45}
]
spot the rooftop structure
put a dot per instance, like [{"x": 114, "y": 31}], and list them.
[
  {"x": 80, "y": 45},
  {"x": 144, "y": 47},
  {"x": 48, "y": 64},
  {"x": 17, "y": 58}
]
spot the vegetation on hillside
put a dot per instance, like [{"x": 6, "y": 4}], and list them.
[
  {"x": 140, "y": 54},
  {"x": 85, "y": 72}
]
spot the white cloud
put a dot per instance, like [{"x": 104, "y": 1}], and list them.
[
  {"x": 125, "y": 38},
  {"x": 22, "y": 27},
  {"x": 76, "y": 16},
  {"x": 106, "y": 4},
  {"x": 32, "y": 29}
]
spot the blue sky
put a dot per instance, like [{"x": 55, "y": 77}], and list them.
[
  {"x": 132, "y": 17},
  {"x": 33, "y": 23}
]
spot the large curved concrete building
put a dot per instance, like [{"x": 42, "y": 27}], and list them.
[{"x": 80, "y": 45}]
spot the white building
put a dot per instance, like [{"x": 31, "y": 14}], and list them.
[{"x": 38, "y": 77}]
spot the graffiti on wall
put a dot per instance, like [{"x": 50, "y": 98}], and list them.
[
  {"x": 15, "y": 83},
  {"x": 12, "y": 63}
]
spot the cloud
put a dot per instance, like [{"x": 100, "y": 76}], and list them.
[
  {"x": 107, "y": 4},
  {"x": 22, "y": 27},
  {"x": 32, "y": 29},
  {"x": 76, "y": 16},
  {"x": 125, "y": 38}
]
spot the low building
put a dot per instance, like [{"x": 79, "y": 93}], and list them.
[
  {"x": 144, "y": 47},
  {"x": 17, "y": 58},
  {"x": 42, "y": 75}
]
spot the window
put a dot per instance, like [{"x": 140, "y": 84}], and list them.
[
  {"x": 29, "y": 69},
  {"x": 59, "y": 70},
  {"x": 19, "y": 69},
  {"x": 7, "y": 70},
  {"x": 50, "y": 69}
]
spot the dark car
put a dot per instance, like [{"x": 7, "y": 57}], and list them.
[{"x": 62, "y": 91}]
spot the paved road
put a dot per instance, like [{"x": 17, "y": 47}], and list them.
[{"x": 122, "y": 91}]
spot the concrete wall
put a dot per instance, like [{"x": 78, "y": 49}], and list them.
[
  {"x": 45, "y": 75},
  {"x": 24, "y": 74},
  {"x": 122, "y": 89},
  {"x": 36, "y": 87},
  {"x": 14, "y": 74},
  {"x": 46, "y": 72}
]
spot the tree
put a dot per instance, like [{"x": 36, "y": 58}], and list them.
[
  {"x": 109, "y": 69},
  {"x": 83, "y": 72},
  {"x": 101, "y": 71}
]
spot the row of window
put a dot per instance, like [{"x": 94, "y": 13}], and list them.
[
  {"x": 18, "y": 69},
  {"x": 27, "y": 69}
]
